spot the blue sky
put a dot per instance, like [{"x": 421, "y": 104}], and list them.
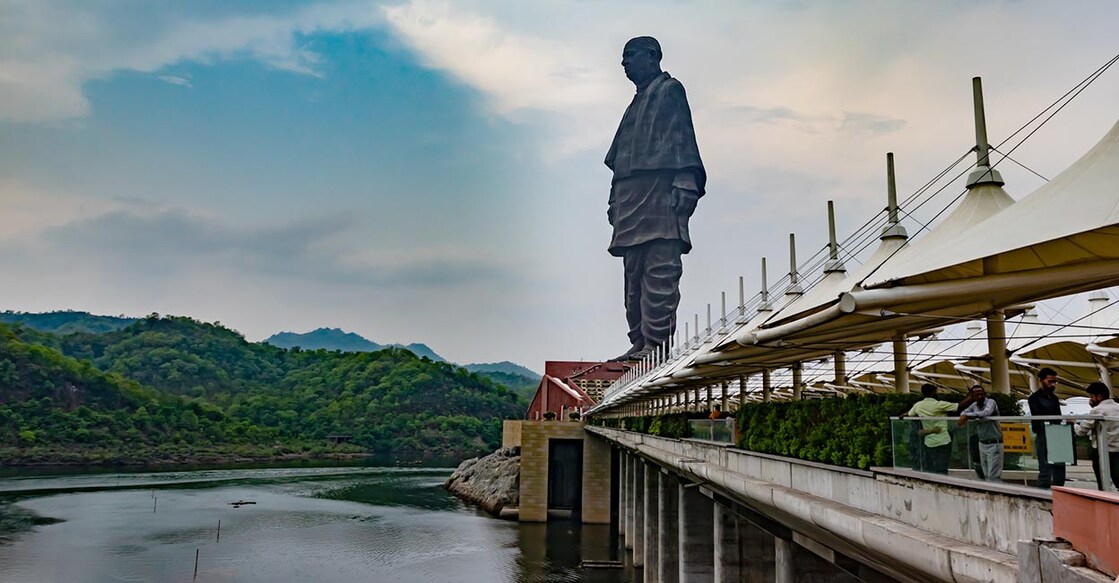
[{"x": 431, "y": 171}]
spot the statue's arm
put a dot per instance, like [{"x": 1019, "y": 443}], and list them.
[{"x": 685, "y": 193}]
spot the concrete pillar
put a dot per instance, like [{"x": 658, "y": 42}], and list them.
[
  {"x": 767, "y": 386},
  {"x": 631, "y": 464},
  {"x": 710, "y": 398},
  {"x": 724, "y": 396},
  {"x": 798, "y": 380},
  {"x": 996, "y": 347},
  {"x": 638, "y": 511},
  {"x": 741, "y": 391},
  {"x": 785, "y": 565},
  {"x": 697, "y": 533},
  {"x": 668, "y": 528},
  {"x": 757, "y": 552},
  {"x": 597, "y": 485},
  {"x": 622, "y": 487},
  {"x": 652, "y": 523},
  {"x": 728, "y": 560},
  {"x": 901, "y": 365},
  {"x": 840, "y": 359}
]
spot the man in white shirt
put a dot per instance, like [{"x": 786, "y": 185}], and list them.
[{"x": 1102, "y": 404}]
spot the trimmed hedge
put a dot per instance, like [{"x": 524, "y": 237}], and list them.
[
  {"x": 852, "y": 432},
  {"x": 674, "y": 425}
]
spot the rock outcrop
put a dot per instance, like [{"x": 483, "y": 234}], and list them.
[{"x": 492, "y": 482}]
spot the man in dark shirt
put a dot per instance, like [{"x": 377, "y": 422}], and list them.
[
  {"x": 1045, "y": 402},
  {"x": 658, "y": 179}
]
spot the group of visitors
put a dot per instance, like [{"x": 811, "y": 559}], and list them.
[
  {"x": 933, "y": 447},
  {"x": 930, "y": 443}
]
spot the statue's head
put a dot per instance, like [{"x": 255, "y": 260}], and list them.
[{"x": 641, "y": 58}]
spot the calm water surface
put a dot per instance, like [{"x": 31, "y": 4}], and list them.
[{"x": 308, "y": 524}]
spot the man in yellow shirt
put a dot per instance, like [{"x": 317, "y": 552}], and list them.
[{"x": 937, "y": 443}]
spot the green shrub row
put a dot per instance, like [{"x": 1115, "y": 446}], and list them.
[
  {"x": 852, "y": 431},
  {"x": 673, "y": 425}
]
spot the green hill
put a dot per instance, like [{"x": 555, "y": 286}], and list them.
[
  {"x": 66, "y": 322},
  {"x": 515, "y": 377},
  {"x": 58, "y": 409},
  {"x": 504, "y": 367},
  {"x": 394, "y": 404}
]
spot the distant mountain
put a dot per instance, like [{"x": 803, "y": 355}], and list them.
[
  {"x": 338, "y": 339},
  {"x": 67, "y": 322},
  {"x": 503, "y": 367},
  {"x": 421, "y": 350},
  {"x": 325, "y": 338}
]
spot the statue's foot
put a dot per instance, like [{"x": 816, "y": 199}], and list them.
[{"x": 629, "y": 354}]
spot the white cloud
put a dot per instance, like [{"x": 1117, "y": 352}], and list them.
[{"x": 175, "y": 80}]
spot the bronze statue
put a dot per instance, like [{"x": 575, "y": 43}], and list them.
[{"x": 658, "y": 178}]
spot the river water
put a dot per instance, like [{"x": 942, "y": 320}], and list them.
[{"x": 307, "y": 524}]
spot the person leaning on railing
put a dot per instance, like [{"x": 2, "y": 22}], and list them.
[
  {"x": 988, "y": 432},
  {"x": 1044, "y": 401},
  {"x": 936, "y": 442},
  {"x": 1102, "y": 404}
]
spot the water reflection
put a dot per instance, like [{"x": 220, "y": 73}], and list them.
[{"x": 326, "y": 524}]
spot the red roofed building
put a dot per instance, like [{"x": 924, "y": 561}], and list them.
[{"x": 572, "y": 386}]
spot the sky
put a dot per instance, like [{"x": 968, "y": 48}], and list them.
[{"x": 426, "y": 171}]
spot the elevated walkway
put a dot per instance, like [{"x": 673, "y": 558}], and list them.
[{"x": 882, "y": 524}]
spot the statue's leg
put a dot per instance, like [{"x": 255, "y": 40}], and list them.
[
  {"x": 660, "y": 293},
  {"x": 634, "y": 262}
]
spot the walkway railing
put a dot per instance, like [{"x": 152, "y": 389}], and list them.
[{"x": 940, "y": 445}]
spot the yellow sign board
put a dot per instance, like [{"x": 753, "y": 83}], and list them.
[{"x": 1016, "y": 438}]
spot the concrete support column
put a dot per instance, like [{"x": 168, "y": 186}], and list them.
[
  {"x": 627, "y": 503},
  {"x": 742, "y": 391},
  {"x": 785, "y": 566},
  {"x": 798, "y": 380},
  {"x": 728, "y": 560},
  {"x": 710, "y": 398},
  {"x": 840, "y": 360},
  {"x": 724, "y": 396},
  {"x": 652, "y": 523},
  {"x": 767, "y": 386},
  {"x": 686, "y": 400},
  {"x": 757, "y": 552},
  {"x": 638, "y": 511},
  {"x": 668, "y": 528},
  {"x": 622, "y": 494},
  {"x": 996, "y": 347},
  {"x": 697, "y": 545},
  {"x": 901, "y": 364}
]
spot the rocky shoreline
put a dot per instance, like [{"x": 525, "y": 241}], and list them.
[{"x": 491, "y": 482}]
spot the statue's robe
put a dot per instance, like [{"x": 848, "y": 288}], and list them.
[{"x": 654, "y": 152}]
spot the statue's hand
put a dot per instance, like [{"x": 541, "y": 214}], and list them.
[{"x": 684, "y": 201}]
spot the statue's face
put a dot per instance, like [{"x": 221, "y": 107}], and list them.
[{"x": 639, "y": 62}]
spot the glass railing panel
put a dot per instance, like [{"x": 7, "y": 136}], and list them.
[
  {"x": 719, "y": 430},
  {"x": 1001, "y": 449}
]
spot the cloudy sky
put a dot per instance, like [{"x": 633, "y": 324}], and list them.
[{"x": 426, "y": 171}]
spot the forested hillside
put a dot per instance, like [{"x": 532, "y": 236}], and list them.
[
  {"x": 175, "y": 380},
  {"x": 66, "y": 322}
]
